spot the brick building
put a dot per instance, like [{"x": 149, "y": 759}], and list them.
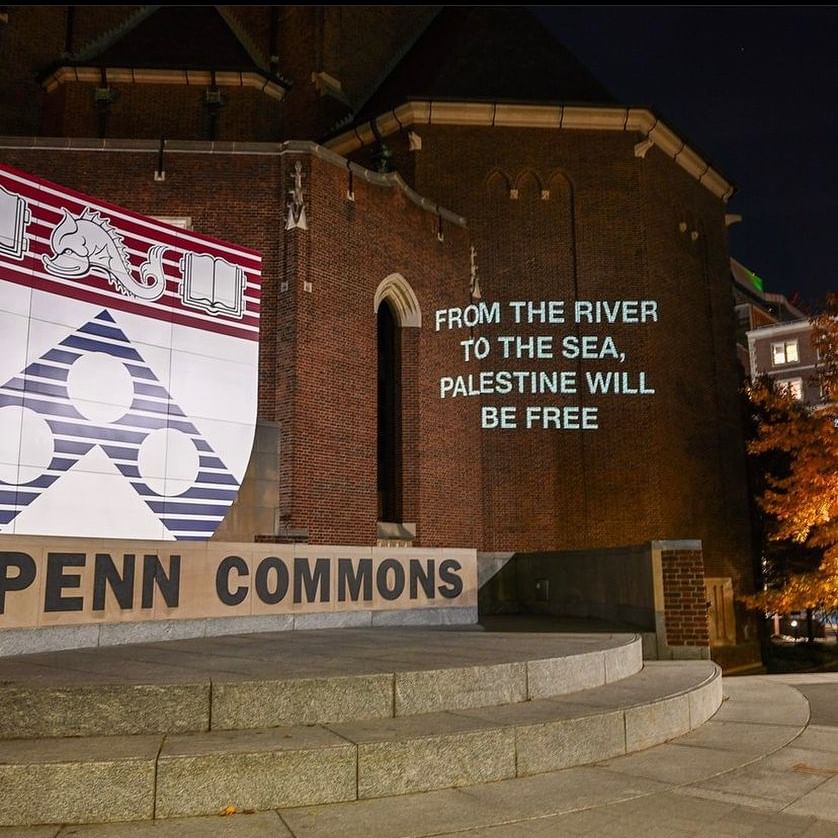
[
  {"x": 441, "y": 160},
  {"x": 773, "y": 336},
  {"x": 755, "y": 309},
  {"x": 784, "y": 353}
]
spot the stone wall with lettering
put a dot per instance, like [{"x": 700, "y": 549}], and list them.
[{"x": 48, "y": 582}]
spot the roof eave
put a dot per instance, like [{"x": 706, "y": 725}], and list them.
[
  {"x": 272, "y": 86},
  {"x": 556, "y": 116}
]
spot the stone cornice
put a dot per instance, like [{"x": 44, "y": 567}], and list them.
[
  {"x": 391, "y": 180},
  {"x": 194, "y": 78},
  {"x": 578, "y": 117}
]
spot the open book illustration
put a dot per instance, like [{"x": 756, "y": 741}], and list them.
[
  {"x": 212, "y": 284},
  {"x": 14, "y": 216}
]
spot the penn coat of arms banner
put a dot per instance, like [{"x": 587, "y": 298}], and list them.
[{"x": 128, "y": 368}]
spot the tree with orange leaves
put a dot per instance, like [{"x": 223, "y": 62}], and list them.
[{"x": 802, "y": 497}]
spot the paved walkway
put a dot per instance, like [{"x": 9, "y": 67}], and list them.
[{"x": 766, "y": 765}]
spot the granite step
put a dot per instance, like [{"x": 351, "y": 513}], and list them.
[
  {"x": 96, "y": 779},
  {"x": 671, "y": 789},
  {"x": 262, "y": 681}
]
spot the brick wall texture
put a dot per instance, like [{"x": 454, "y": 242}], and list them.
[
  {"x": 684, "y": 597},
  {"x": 591, "y": 221}
]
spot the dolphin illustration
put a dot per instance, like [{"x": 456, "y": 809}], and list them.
[{"x": 88, "y": 244}]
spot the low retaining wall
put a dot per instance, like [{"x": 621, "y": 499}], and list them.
[
  {"x": 67, "y": 593},
  {"x": 656, "y": 588}
]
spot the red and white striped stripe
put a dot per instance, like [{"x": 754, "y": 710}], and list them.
[{"x": 47, "y": 200}]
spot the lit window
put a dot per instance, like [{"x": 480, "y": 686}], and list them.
[
  {"x": 793, "y": 385},
  {"x": 784, "y": 352}
]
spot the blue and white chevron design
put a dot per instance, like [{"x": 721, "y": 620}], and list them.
[{"x": 200, "y": 502}]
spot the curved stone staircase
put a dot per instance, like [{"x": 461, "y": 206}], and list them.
[{"x": 270, "y": 721}]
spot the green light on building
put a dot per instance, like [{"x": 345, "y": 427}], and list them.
[{"x": 755, "y": 280}]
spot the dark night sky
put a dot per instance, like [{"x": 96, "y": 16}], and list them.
[{"x": 755, "y": 91}]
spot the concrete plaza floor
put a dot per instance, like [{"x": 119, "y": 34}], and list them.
[{"x": 765, "y": 765}]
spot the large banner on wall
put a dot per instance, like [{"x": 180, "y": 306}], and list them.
[{"x": 128, "y": 368}]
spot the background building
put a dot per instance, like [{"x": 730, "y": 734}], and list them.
[
  {"x": 773, "y": 336},
  {"x": 756, "y": 308},
  {"x": 784, "y": 353}
]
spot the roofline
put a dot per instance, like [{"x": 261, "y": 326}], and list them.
[
  {"x": 758, "y": 300},
  {"x": 244, "y": 39},
  {"x": 762, "y": 296},
  {"x": 391, "y": 65},
  {"x": 390, "y": 180},
  {"x": 111, "y": 36},
  {"x": 784, "y": 300},
  {"x": 779, "y": 328},
  {"x": 84, "y": 58},
  {"x": 273, "y": 87},
  {"x": 508, "y": 115}
]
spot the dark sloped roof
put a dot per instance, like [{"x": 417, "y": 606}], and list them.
[
  {"x": 173, "y": 37},
  {"x": 486, "y": 53}
]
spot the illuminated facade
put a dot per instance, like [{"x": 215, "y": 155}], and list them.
[
  {"x": 495, "y": 303},
  {"x": 756, "y": 308}
]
